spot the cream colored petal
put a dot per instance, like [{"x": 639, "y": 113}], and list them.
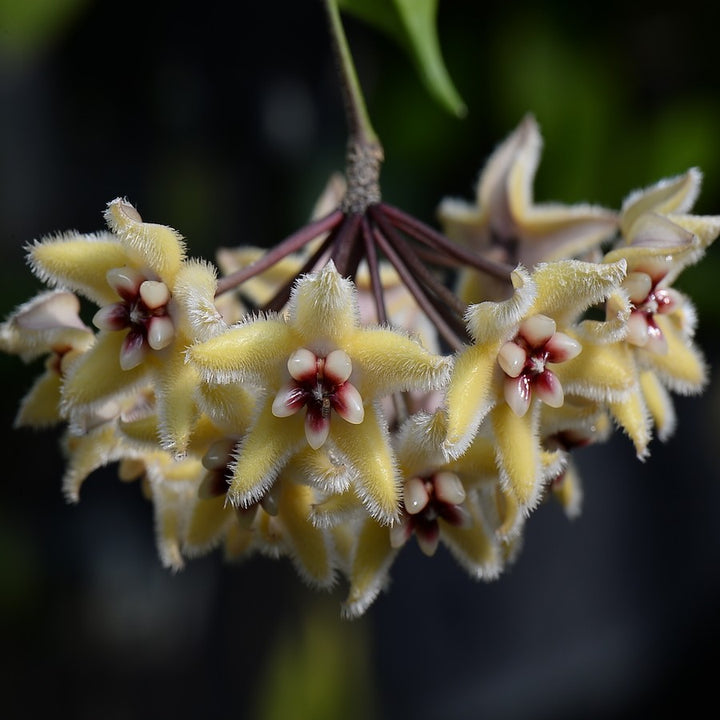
[
  {"x": 309, "y": 546},
  {"x": 323, "y": 309},
  {"x": 194, "y": 311},
  {"x": 29, "y": 345},
  {"x": 142, "y": 433},
  {"x": 366, "y": 448},
  {"x": 491, "y": 322},
  {"x": 78, "y": 262},
  {"x": 510, "y": 515},
  {"x": 475, "y": 547},
  {"x": 256, "y": 351},
  {"x": 464, "y": 222},
  {"x": 230, "y": 406},
  {"x": 177, "y": 409},
  {"x": 372, "y": 558},
  {"x": 567, "y": 287},
  {"x": 209, "y": 523},
  {"x": 569, "y": 492},
  {"x": 659, "y": 404},
  {"x": 87, "y": 453},
  {"x": 518, "y": 453},
  {"x": 418, "y": 442},
  {"x": 47, "y": 321},
  {"x": 97, "y": 376},
  {"x": 577, "y": 416},
  {"x": 599, "y": 372},
  {"x": 471, "y": 394},
  {"x": 682, "y": 368},
  {"x": 658, "y": 246},
  {"x": 611, "y": 330},
  {"x": 321, "y": 470},
  {"x": 672, "y": 195},
  {"x": 551, "y": 231},
  {"x": 169, "y": 532},
  {"x": 40, "y": 408},
  {"x": 476, "y": 467},
  {"x": 156, "y": 247},
  {"x": 505, "y": 186},
  {"x": 494, "y": 210},
  {"x": 705, "y": 227},
  {"x": 239, "y": 542},
  {"x": 337, "y": 510},
  {"x": 386, "y": 361},
  {"x": 262, "y": 454},
  {"x": 633, "y": 417}
]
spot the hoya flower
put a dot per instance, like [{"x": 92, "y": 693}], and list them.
[
  {"x": 436, "y": 507},
  {"x": 131, "y": 273},
  {"x": 320, "y": 374},
  {"x": 659, "y": 241},
  {"x": 47, "y": 325},
  {"x": 277, "y": 526},
  {"x": 455, "y": 502},
  {"x": 506, "y": 224},
  {"x": 527, "y": 352}
]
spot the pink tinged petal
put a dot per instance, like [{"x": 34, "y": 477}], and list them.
[
  {"x": 638, "y": 286},
  {"x": 549, "y": 389},
  {"x": 348, "y": 404},
  {"x": 160, "y": 332},
  {"x": 537, "y": 330},
  {"x": 289, "y": 399},
  {"x": 415, "y": 495},
  {"x": 302, "y": 365},
  {"x": 111, "y": 317},
  {"x": 656, "y": 340},
  {"x": 400, "y": 533},
  {"x": 561, "y": 347},
  {"x": 317, "y": 429},
  {"x": 126, "y": 281},
  {"x": 56, "y": 310},
  {"x": 133, "y": 351},
  {"x": 517, "y": 394},
  {"x": 511, "y": 359},
  {"x": 338, "y": 367},
  {"x": 428, "y": 537},
  {"x": 637, "y": 329},
  {"x": 154, "y": 294},
  {"x": 448, "y": 488}
]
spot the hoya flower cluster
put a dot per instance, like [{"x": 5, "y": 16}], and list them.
[{"x": 370, "y": 381}]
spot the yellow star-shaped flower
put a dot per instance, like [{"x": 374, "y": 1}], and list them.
[
  {"x": 458, "y": 502},
  {"x": 132, "y": 273},
  {"x": 47, "y": 325},
  {"x": 660, "y": 239},
  {"x": 527, "y": 350},
  {"x": 320, "y": 373}
]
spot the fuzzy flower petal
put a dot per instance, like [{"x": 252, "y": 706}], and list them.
[{"x": 156, "y": 247}]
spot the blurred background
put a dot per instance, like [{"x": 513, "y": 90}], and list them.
[{"x": 226, "y": 126}]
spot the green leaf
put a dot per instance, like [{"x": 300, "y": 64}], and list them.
[{"x": 413, "y": 25}]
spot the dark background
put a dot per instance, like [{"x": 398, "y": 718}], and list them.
[{"x": 226, "y": 127}]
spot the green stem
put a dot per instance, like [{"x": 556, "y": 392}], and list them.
[
  {"x": 360, "y": 127},
  {"x": 364, "y": 151}
]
